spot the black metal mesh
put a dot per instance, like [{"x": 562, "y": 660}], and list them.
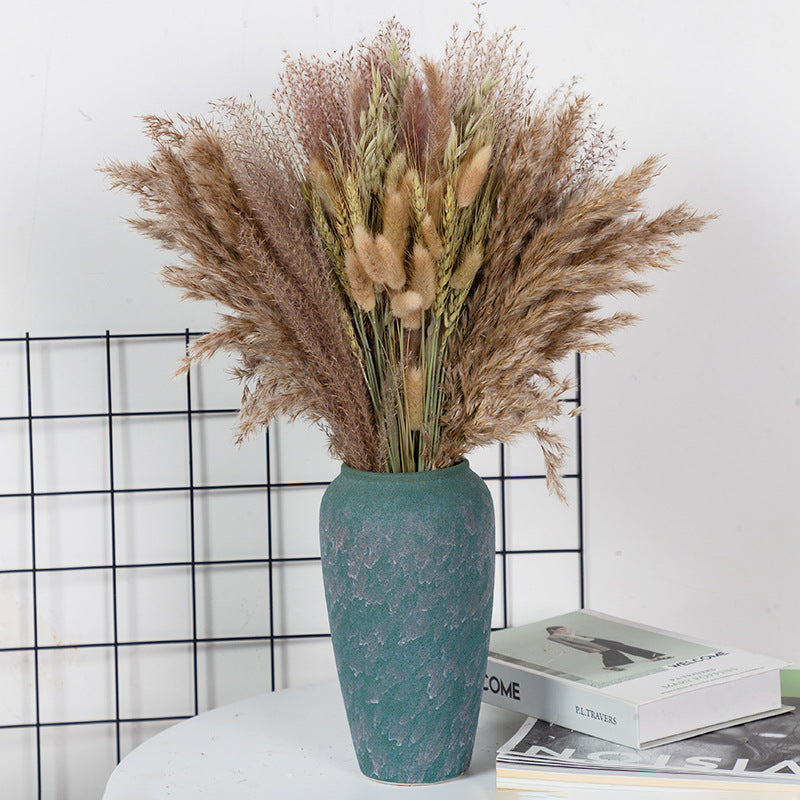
[{"x": 112, "y": 653}]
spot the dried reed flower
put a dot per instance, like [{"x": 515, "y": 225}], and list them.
[{"x": 407, "y": 249}]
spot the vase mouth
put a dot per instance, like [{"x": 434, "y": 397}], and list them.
[{"x": 408, "y": 477}]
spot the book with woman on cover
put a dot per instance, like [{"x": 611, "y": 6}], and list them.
[
  {"x": 625, "y": 682},
  {"x": 763, "y": 755}
]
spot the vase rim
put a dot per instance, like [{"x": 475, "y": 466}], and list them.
[{"x": 407, "y": 477}]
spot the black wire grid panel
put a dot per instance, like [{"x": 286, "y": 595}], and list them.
[{"x": 149, "y": 570}]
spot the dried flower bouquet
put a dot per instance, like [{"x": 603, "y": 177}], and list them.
[{"x": 407, "y": 248}]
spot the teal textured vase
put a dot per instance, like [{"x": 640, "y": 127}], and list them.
[{"x": 408, "y": 568}]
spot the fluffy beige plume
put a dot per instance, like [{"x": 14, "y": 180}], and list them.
[
  {"x": 367, "y": 253},
  {"x": 423, "y": 276},
  {"x": 432, "y": 240},
  {"x": 472, "y": 175},
  {"x": 323, "y": 185},
  {"x": 405, "y": 303},
  {"x": 395, "y": 218},
  {"x": 362, "y": 290},
  {"x": 415, "y": 397},
  {"x": 393, "y": 273},
  {"x": 466, "y": 271}
]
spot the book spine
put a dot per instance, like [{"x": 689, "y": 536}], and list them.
[{"x": 537, "y": 695}]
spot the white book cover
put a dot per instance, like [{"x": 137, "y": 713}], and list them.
[{"x": 625, "y": 682}]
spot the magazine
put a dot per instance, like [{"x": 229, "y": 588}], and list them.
[
  {"x": 762, "y": 755},
  {"x": 628, "y": 683}
]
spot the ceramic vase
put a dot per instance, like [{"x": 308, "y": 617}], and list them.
[{"x": 408, "y": 568}]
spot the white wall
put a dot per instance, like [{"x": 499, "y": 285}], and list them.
[{"x": 692, "y": 429}]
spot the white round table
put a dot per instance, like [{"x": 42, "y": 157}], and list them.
[{"x": 288, "y": 744}]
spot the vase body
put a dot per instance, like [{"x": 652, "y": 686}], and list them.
[{"x": 408, "y": 568}]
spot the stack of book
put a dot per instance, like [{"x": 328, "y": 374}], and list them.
[{"x": 614, "y": 704}]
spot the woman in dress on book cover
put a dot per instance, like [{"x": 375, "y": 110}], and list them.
[{"x": 611, "y": 651}]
